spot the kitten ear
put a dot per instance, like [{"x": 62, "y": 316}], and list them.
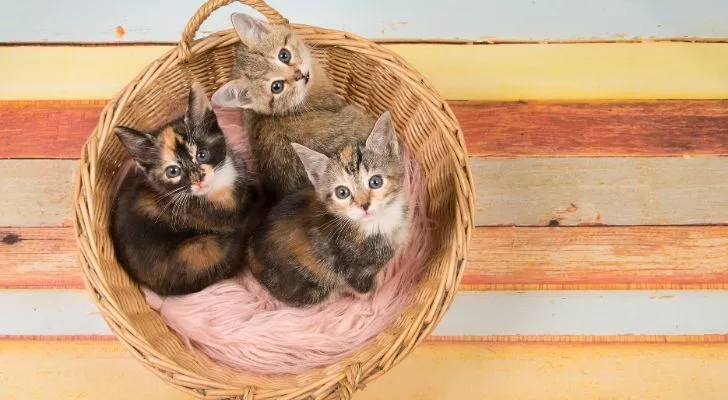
[
  {"x": 314, "y": 162},
  {"x": 141, "y": 146},
  {"x": 233, "y": 94},
  {"x": 249, "y": 29},
  {"x": 199, "y": 107},
  {"x": 383, "y": 138}
]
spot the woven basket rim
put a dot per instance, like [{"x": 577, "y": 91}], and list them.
[{"x": 204, "y": 380}]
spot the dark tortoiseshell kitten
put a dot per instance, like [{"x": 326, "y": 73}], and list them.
[
  {"x": 339, "y": 234},
  {"x": 181, "y": 219}
]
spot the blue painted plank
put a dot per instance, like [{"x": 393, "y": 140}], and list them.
[
  {"x": 163, "y": 20},
  {"x": 618, "y": 312}
]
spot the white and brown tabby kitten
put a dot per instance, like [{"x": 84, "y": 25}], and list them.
[
  {"x": 339, "y": 234},
  {"x": 291, "y": 99},
  {"x": 182, "y": 218}
]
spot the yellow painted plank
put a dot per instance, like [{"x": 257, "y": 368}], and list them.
[
  {"x": 441, "y": 371},
  {"x": 557, "y": 372},
  {"x": 574, "y": 71},
  {"x": 31, "y": 73},
  {"x": 83, "y": 370},
  {"x": 472, "y": 72}
]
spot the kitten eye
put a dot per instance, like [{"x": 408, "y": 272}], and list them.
[
  {"x": 285, "y": 56},
  {"x": 376, "y": 181},
  {"x": 172, "y": 171},
  {"x": 202, "y": 155},
  {"x": 342, "y": 192},
  {"x": 276, "y": 87}
]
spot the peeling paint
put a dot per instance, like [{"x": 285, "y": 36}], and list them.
[{"x": 119, "y": 31}]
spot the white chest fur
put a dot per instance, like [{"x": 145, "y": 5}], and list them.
[
  {"x": 390, "y": 221},
  {"x": 224, "y": 176}
]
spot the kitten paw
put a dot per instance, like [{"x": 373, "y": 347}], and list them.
[{"x": 362, "y": 285}]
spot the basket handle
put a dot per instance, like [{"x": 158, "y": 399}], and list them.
[{"x": 209, "y": 7}]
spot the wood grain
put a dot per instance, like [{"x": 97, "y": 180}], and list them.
[
  {"x": 601, "y": 191},
  {"x": 35, "y": 370},
  {"x": 658, "y": 128},
  {"x": 38, "y": 258},
  {"x": 46, "y": 129},
  {"x": 550, "y": 372},
  {"x": 580, "y": 315},
  {"x": 475, "y": 19},
  {"x": 520, "y": 192},
  {"x": 598, "y": 258},
  {"x": 585, "y": 315},
  {"x": 57, "y": 129},
  {"x": 508, "y": 258},
  {"x": 585, "y": 71},
  {"x": 36, "y": 192}
]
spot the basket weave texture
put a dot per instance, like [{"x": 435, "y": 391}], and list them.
[{"x": 364, "y": 73}]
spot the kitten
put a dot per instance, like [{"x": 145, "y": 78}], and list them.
[
  {"x": 277, "y": 79},
  {"x": 338, "y": 235},
  {"x": 182, "y": 217}
]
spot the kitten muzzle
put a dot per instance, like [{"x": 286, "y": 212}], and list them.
[
  {"x": 298, "y": 75},
  {"x": 198, "y": 184}
]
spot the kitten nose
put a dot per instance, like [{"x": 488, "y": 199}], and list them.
[
  {"x": 298, "y": 75},
  {"x": 365, "y": 206}
]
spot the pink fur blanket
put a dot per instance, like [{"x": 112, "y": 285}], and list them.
[{"x": 237, "y": 323}]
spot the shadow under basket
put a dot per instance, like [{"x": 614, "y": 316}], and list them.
[{"x": 364, "y": 73}]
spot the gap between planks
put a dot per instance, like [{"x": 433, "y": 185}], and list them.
[
  {"x": 404, "y": 40},
  {"x": 487, "y": 339},
  {"x": 500, "y": 258},
  {"x": 58, "y": 129}
]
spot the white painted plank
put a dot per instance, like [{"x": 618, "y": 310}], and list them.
[
  {"x": 522, "y": 191},
  {"x": 601, "y": 190},
  {"x": 49, "y": 312},
  {"x": 587, "y": 313},
  {"x": 71, "y": 312},
  {"x": 84, "y": 21},
  {"x": 36, "y": 192}
]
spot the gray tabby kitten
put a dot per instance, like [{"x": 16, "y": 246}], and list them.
[
  {"x": 339, "y": 234},
  {"x": 290, "y": 99}
]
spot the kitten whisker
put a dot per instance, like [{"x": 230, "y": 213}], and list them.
[
  {"x": 167, "y": 194},
  {"x": 170, "y": 202}
]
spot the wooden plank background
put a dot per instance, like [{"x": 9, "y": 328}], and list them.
[
  {"x": 508, "y": 258},
  {"x": 491, "y": 129},
  {"x": 598, "y": 267},
  {"x": 580, "y": 71},
  {"x": 103, "y": 370},
  {"x": 162, "y": 20}
]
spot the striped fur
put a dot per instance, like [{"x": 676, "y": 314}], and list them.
[{"x": 315, "y": 242}]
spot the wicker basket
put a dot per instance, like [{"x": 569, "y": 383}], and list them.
[{"x": 363, "y": 72}]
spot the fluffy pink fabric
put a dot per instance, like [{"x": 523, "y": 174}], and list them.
[{"x": 237, "y": 322}]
